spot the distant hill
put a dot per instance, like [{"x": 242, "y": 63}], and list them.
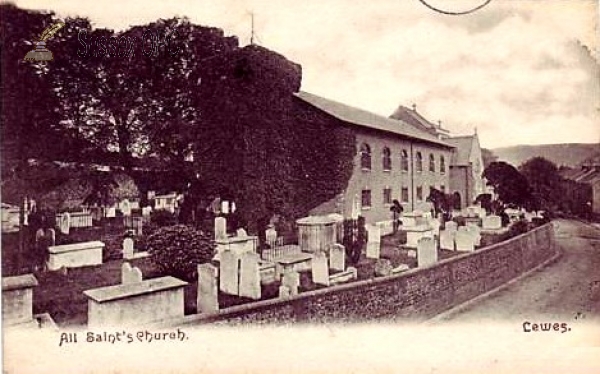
[{"x": 561, "y": 154}]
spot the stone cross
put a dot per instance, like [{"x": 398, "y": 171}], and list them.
[{"x": 207, "y": 300}]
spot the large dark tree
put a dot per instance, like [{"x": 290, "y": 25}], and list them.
[
  {"x": 544, "y": 181},
  {"x": 510, "y": 186}
]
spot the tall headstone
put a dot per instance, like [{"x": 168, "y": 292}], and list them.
[
  {"x": 128, "y": 248},
  {"x": 465, "y": 241},
  {"x": 207, "y": 300},
  {"x": 291, "y": 280},
  {"x": 337, "y": 257},
  {"x": 228, "y": 273},
  {"x": 383, "y": 267},
  {"x": 476, "y": 231},
  {"x": 320, "y": 270},
  {"x": 492, "y": 223},
  {"x": 225, "y": 207},
  {"x": 271, "y": 236},
  {"x": 374, "y": 241},
  {"x": 65, "y": 223},
  {"x": 435, "y": 225},
  {"x": 447, "y": 240},
  {"x": 126, "y": 207},
  {"x": 111, "y": 212},
  {"x": 250, "y": 276},
  {"x": 220, "y": 228},
  {"x": 426, "y": 252}
]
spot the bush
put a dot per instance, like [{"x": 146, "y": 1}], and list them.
[
  {"x": 162, "y": 218},
  {"x": 518, "y": 228},
  {"x": 177, "y": 250}
]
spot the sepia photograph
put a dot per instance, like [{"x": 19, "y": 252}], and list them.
[{"x": 256, "y": 186}]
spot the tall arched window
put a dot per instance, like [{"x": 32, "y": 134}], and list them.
[
  {"x": 386, "y": 156},
  {"x": 365, "y": 156},
  {"x": 404, "y": 160},
  {"x": 431, "y": 163},
  {"x": 419, "y": 161},
  {"x": 442, "y": 164}
]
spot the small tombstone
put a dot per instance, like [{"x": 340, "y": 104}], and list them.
[
  {"x": 411, "y": 253},
  {"x": 337, "y": 257},
  {"x": 146, "y": 211},
  {"x": 128, "y": 248},
  {"x": 250, "y": 276},
  {"x": 271, "y": 236},
  {"x": 465, "y": 241},
  {"x": 291, "y": 280},
  {"x": 225, "y": 207},
  {"x": 228, "y": 273},
  {"x": 126, "y": 207},
  {"x": 383, "y": 267},
  {"x": 353, "y": 271},
  {"x": 207, "y": 299},
  {"x": 447, "y": 240},
  {"x": 451, "y": 226},
  {"x": 220, "y": 228},
  {"x": 111, "y": 212},
  {"x": 320, "y": 271},
  {"x": 284, "y": 292},
  {"x": 492, "y": 222},
  {"x": 476, "y": 231},
  {"x": 51, "y": 233},
  {"x": 426, "y": 252},
  {"x": 65, "y": 223},
  {"x": 130, "y": 274},
  {"x": 435, "y": 225},
  {"x": 39, "y": 234},
  {"x": 241, "y": 232}
]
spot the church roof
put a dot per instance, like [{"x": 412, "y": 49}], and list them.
[
  {"x": 462, "y": 153},
  {"x": 367, "y": 119}
]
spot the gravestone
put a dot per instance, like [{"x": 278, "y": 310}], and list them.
[
  {"x": 465, "y": 241},
  {"x": 412, "y": 253},
  {"x": 128, "y": 248},
  {"x": 337, "y": 257},
  {"x": 241, "y": 233},
  {"x": 51, "y": 235},
  {"x": 146, "y": 211},
  {"x": 271, "y": 236},
  {"x": 447, "y": 240},
  {"x": 492, "y": 223},
  {"x": 65, "y": 223},
  {"x": 130, "y": 274},
  {"x": 225, "y": 207},
  {"x": 207, "y": 300},
  {"x": 476, "y": 231},
  {"x": 435, "y": 225},
  {"x": 463, "y": 228},
  {"x": 353, "y": 271},
  {"x": 320, "y": 270},
  {"x": 220, "y": 228},
  {"x": 284, "y": 292},
  {"x": 374, "y": 241},
  {"x": 126, "y": 207},
  {"x": 451, "y": 226},
  {"x": 111, "y": 212},
  {"x": 291, "y": 280},
  {"x": 228, "y": 273},
  {"x": 426, "y": 252},
  {"x": 383, "y": 267},
  {"x": 249, "y": 276}
]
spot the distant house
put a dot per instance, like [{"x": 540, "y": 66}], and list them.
[
  {"x": 588, "y": 173},
  {"x": 168, "y": 201}
]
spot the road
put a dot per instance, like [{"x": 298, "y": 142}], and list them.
[{"x": 565, "y": 290}]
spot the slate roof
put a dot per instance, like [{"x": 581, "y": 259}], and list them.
[
  {"x": 414, "y": 118},
  {"x": 367, "y": 119},
  {"x": 462, "y": 153}
]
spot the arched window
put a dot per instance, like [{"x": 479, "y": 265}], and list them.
[
  {"x": 442, "y": 164},
  {"x": 431, "y": 163},
  {"x": 419, "y": 161},
  {"x": 386, "y": 158},
  {"x": 365, "y": 156},
  {"x": 404, "y": 160}
]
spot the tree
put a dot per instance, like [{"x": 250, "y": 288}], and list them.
[
  {"x": 510, "y": 186},
  {"x": 442, "y": 203},
  {"x": 544, "y": 181}
]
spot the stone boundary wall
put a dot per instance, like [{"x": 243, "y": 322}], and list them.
[{"x": 415, "y": 295}]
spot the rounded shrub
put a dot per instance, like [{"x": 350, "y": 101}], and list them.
[{"x": 178, "y": 250}]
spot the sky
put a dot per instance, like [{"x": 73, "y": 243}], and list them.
[{"x": 520, "y": 71}]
